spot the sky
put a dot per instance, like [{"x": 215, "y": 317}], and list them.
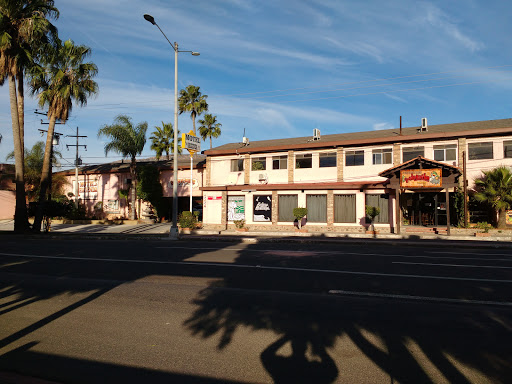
[{"x": 279, "y": 69}]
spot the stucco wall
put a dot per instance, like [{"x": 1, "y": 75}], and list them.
[{"x": 7, "y": 204}]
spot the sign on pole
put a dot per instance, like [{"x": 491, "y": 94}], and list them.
[{"x": 191, "y": 142}]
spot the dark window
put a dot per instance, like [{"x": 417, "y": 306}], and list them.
[
  {"x": 382, "y": 202},
  {"x": 286, "y": 204},
  {"x": 344, "y": 208},
  {"x": 237, "y": 165},
  {"x": 317, "y": 208},
  {"x": 259, "y": 163},
  {"x": 409, "y": 153},
  {"x": 328, "y": 159},
  {"x": 445, "y": 152},
  {"x": 507, "y": 149},
  {"x": 280, "y": 162},
  {"x": 480, "y": 151},
  {"x": 353, "y": 158},
  {"x": 304, "y": 161},
  {"x": 382, "y": 156}
]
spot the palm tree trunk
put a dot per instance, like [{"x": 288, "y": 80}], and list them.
[
  {"x": 133, "y": 192},
  {"x": 21, "y": 111},
  {"x": 210, "y": 142},
  {"x": 502, "y": 219},
  {"x": 20, "y": 213},
  {"x": 45, "y": 175}
]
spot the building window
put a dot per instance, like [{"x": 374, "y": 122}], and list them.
[
  {"x": 344, "y": 208},
  {"x": 259, "y": 163},
  {"x": 236, "y": 208},
  {"x": 262, "y": 208},
  {"x": 112, "y": 206},
  {"x": 286, "y": 204},
  {"x": 381, "y": 202},
  {"x": 317, "y": 208},
  {"x": 480, "y": 151},
  {"x": 327, "y": 159},
  {"x": 409, "y": 153},
  {"x": 507, "y": 149},
  {"x": 353, "y": 158},
  {"x": 304, "y": 161},
  {"x": 382, "y": 156},
  {"x": 280, "y": 162},
  {"x": 237, "y": 165},
  {"x": 445, "y": 152}
]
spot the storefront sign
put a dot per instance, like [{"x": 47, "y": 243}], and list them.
[
  {"x": 421, "y": 178},
  {"x": 236, "y": 208},
  {"x": 182, "y": 183},
  {"x": 262, "y": 208},
  {"x": 508, "y": 217},
  {"x": 87, "y": 189}
]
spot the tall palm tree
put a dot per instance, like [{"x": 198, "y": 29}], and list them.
[
  {"x": 209, "y": 128},
  {"x": 63, "y": 79},
  {"x": 162, "y": 140},
  {"x": 191, "y": 100},
  {"x": 495, "y": 189},
  {"x": 129, "y": 141},
  {"x": 24, "y": 30}
]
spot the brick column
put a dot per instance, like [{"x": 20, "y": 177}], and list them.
[
  {"x": 461, "y": 147},
  {"x": 208, "y": 172},
  {"x": 291, "y": 166},
  {"x": 275, "y": 212},
  {"x": 339, "y": 163},
  {"x": 247, "y": 169},
  {"x": 330, "y": 208},
  {"x": 224, "y": 210},
  {"x": 397, "y": 158}
]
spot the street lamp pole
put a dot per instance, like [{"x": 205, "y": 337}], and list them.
[{"x": 174, "y": 229}]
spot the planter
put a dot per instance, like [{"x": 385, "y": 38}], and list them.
[
  {"x": 482, "y": 234},
  {"x": 301, "y": 230},
  {"x": 371, "y": 232},
  {"x": 241, "y": 229},
  {"x": 186, "y": 231}
]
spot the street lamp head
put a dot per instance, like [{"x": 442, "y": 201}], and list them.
[
  {"x": 195, "y": 53},
  {"x": 150, "y": 18}
]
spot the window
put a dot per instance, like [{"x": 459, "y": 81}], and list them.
[
  {"x": 353, "y": 158},
  {"x": 304, "y": 161},
  {"x": 317, "y": 208},
  {"x": 382, "y": 202},
  {"x": 409, "y": 153},
  {"x": 236, "y": 208},
  {"x": 328, "y": 159},
  {"x": 344, "y": 208},
  {"x": 259, "y": 163},
  {"x": 280, "y": 162},
  {"x": 286, "y": 204},
  {"x": 382, "y": 156},
  {"x": 445, "y": 152},
  {"x": 507, "y": 149},
  {"x": 112, "y": 206},
  {"x": 480, "y": 151},
  {"x": 262, "y": 208},
  {"x": 237, "y": 165}
]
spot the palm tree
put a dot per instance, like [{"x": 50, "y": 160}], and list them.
[
  {"x": 63, "y": 79},
  {"x": 209, "y": 128},
  {"x": 129, "y": 141},
  {"x": 191, "y": 100},
  {"x": 495, "y": 189},
  {"x": 24, "y": 30},
  {"x": 162, "y": 140}
]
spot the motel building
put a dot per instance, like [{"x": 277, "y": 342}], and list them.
[{"x": 411, "y": 174}]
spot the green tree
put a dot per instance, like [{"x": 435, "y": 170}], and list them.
[
  {"x": 63, "y": 78},
  {"x": 149, "y": 187},
  {"x": 162, "y": 140},
  {"x": 129, "y": 141},
  {"x": 495, "y": 189},
  {"x": 209, "y": 128},
  {"x": 191, "y": 100},
  {"x": 24, "y": 30}
]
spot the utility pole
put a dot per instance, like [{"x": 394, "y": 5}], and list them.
[{"x": 78, "y": 161}]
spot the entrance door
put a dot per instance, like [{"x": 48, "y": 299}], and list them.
[{"x": 424, "y": 209}]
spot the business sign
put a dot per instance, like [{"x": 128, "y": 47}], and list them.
[
  {"x": 236, "y": 208},
  {"x": 262, "y": 208},
  {"x": 87, "y": 189},
  {"x": 508, "y": 217},
  {"x": 182, "y": 183},
  {"x": 421, "y": 178},
  {"x": 191, "y": 142}
]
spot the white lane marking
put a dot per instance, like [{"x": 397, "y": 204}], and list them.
[
  {"x": 224, "y": 265},
  {"x": 470, "y": 253},
  {"x": 341, "y": 253},
  {"x": 419, "y": 298},
  {"x": 453, "y": 265}
]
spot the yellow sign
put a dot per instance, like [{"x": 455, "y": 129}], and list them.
[
  {"x": 421, "y": 178},
  {"x": 191, "y": 142},
  {"x": 508, "y": 217}
]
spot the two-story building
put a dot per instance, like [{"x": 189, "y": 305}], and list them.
[{"x": 411, "y": 174}]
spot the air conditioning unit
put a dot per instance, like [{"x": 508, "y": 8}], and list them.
[
  {"x": 316, "y": 134},
  {"x": 424, "y": 125},
  {"x": 245, "y": 140},
  {"x": 263, "y": 178}
]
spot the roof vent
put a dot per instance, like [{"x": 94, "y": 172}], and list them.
[
  {"x": 424, "y": 125},
  {"x": 316, "y": 134}
]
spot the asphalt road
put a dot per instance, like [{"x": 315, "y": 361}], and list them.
[{"x": 83, "y": 311}]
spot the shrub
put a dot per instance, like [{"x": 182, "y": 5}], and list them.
[
  {"x": 484, "y": 226},
  {"x": 299, "y": 213},
  {"x": 239, "y": 223},
  {"x": 187, "y": 219}
]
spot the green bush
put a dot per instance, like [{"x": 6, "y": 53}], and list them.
[
  {"x": 239, "y": 223},
  {"x": 299, "y": 213},
  {"x": 484, "y": 226},
  {"x": 187, "y": 219}
]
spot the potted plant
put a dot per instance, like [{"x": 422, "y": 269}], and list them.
[
  {"x": 187, "y": 221},
  {"x": 240, "y": 225},
  {"x": 371, "y": 213},
  {"x": 299, "y": 213},
  {"x": 484, "y": 227}
]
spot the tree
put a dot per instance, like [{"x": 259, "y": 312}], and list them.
[
  {"x": 162, "y": 140},
  {"x": 209, "y": 128},
  {"x": 495, "y": 189},
  {"x": 24, "y": 30},
  {"x": 129, "y": 141},
  {"x": 191, "y": 100},
  {"x": 63, "y": 78}
]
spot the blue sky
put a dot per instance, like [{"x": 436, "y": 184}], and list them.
[{"x": 281, "y": 68}]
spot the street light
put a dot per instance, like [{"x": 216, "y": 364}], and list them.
[{"x": 174, "y": 228}]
